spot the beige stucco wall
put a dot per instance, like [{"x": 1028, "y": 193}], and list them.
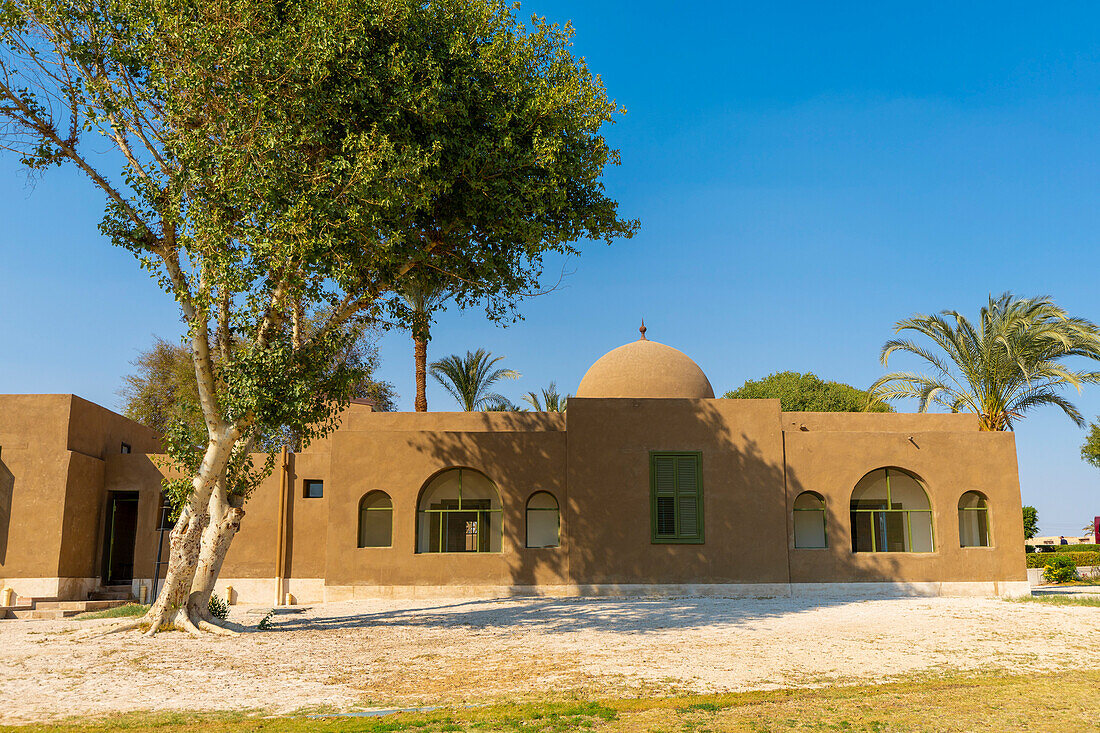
[
  {"x": 743, "y": 505},
  {"x": 595, "y": 460},
  {"x": 53, "y": 453},
  {"x": 948, "y": 464}
]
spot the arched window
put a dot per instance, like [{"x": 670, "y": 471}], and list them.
[
  {"x": 809, "y": 520},
  {"x": 891, "y": 513},
  {"x": 543, "y": 520},
  {"x": 375, "y": 520},
  {"x": 973, "y": 520},
  {"x": 459, "y": 511}
]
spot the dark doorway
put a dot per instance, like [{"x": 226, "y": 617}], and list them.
[{"x": 118, "y": 537}]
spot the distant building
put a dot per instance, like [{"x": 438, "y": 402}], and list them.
[
  {"x": 1088, "y": 539},
  {"x": 648, "y": 484}
]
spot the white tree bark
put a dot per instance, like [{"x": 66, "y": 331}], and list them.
[
  {"x": 171, "y": 607},
  {"x": 225, "y": 519}
]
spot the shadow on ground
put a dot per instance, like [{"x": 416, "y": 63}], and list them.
[{"x": 564, "y": 615}]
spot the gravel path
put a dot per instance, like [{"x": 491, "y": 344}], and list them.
[{"x": 403, "y": 653}]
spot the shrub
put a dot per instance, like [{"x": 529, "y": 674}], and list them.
[
  {"x": 1079, "y": 559},
  {"x": 265, "y": 622},
  {"x": 1077, "y": 548},
  {"x": 218, "y": 607},
  {"x": 1060, "y": 569}
]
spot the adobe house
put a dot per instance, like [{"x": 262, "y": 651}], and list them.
[{"x": 648, "y": 484}]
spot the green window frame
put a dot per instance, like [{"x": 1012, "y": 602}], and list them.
[
  {"x": 816, "y": 515},
  {"x": 460, "y": 525},
  {"x": 887, "y": 521},
  {"x": 980, "y": 512},
  {"x": 676, "y": 497},
  {"x": 375, "y": 505},
  {"x": 554, "y": 512}
]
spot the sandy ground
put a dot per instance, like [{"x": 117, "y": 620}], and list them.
[{"x": 364, "y": 654}]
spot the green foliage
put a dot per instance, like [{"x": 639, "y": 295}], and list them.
[
  {"x": 265, "y": 622},
  {"x": 1090, "y": 450},
  {"x": 162, "y": 391},
  {"x": 288, "y": 167},
  {"x": 807, "y": 393},
  {"x": 1061, "y": 568},
  {"x": 1009, "y": 363},
  {"x": 218, "y": 607},
  {"x": 1080, "y": 559},
  {"x": 469, "y": 379},
  {"x": 1083, "y": 547},
  {"x": 1031, "y": 522},
  {"x": 549, "y": 401}
]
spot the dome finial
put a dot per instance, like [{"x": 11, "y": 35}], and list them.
[{"x": 641, "y": 330}]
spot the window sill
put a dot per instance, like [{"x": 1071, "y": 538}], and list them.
[
  {"x": 474, "y": 554},
  {"x": 677, "y": 542}
]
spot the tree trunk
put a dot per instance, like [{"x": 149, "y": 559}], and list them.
[
  {"x": 420, "y": 350},
  {"x": 225, "y": 521},
  {"x": 171, "y": 606}
]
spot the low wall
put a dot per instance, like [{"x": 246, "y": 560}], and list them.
[{"x": 1035, "y": 575}]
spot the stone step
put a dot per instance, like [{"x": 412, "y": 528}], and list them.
[
  {"x": 9, "y": 612},
  {"x": 80, "y": 606},
  {"x": 35, "y": 613},
  {"x": 60, "y": 606},
  {"x": 101, "y": 595}
]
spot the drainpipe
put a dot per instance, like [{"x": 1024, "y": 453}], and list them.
[{"x": 280, "y": 542}]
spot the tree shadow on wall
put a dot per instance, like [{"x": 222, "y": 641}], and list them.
[
  {"x": 7, "y": 490},
  {"x": 746, "y": 522}
]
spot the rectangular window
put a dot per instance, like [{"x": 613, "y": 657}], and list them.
[
  {"x": 125, "y": 447},
  {"x": 676, "y": 497},
  {"x": 313, "y": 489}
]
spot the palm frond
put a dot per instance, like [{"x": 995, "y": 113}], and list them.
[
  {"x": 1010, "y": 360},
  {"x": 468, "y": 379}
]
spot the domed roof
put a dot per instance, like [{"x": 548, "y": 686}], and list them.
[{"x": 645, "y": 368}]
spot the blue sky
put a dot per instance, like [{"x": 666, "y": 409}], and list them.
[{"x": 806, "y": 175}]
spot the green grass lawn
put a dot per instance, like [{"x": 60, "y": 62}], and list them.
[
  {"x": 989, "y": 702},
  {"x": 1066, "y": 600},
  {"x": 130, "y": 609}
]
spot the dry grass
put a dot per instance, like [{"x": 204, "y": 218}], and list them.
[
  {"x": 990, "y": 702},
  {"x": 357, "y": 655}
]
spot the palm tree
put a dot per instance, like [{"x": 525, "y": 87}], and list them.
[
  {"x": 422, "y": 299},
  {"x": 1005, "y": 365},
  {"x": 551, "y": 400},
  {"x": 470, "y": 378}
]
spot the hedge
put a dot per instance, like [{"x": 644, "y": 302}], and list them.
[
  {"x": 1077, "y": 548},
  {"x": 1082, "y": 559}
]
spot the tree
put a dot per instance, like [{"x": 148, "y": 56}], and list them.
[
  {"x": 162, "y": 391},
  {"x": 807, "y": 393},
  {"x": 1090, "y": 450},
  {"x": 1010, "y": 362},
  {"x": 284, "y": 159},
  {"x": 549, "y": 401},
  {"x": 422, "y": 298},
  {"x": 1031, "y": 522},
  {"x": 469, "y": 379}
]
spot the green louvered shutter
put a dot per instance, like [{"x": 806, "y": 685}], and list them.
[
  {"x": 676, "y": 486},
  {"x": 664, "y": 497},
  {"x": 687, "y": 497}
]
